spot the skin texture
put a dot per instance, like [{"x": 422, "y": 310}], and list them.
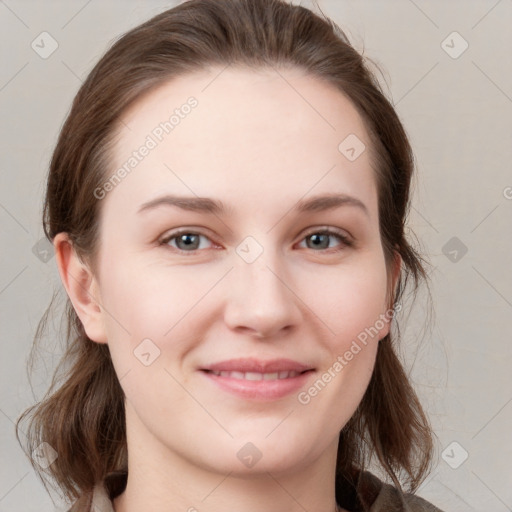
[{"x": 259, "y": 141}]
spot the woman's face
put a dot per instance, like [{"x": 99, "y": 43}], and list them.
[{"x": 242, "y": 311}]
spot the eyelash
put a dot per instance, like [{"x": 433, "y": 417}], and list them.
[{"x": 346, "y": 242}]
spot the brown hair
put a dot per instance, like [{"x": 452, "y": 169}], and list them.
[{"x": 82, "y": 414}]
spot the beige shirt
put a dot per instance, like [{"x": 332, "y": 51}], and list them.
[{"x": 377, "y": 495}]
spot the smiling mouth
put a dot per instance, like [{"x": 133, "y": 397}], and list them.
[
  {"x": 270, "y": 385},
  {"x": 255, "y": 376}
]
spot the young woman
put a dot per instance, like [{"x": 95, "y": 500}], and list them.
[{"x": 227, "y": 201}]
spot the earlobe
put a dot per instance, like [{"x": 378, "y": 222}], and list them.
[{"x": 81, "y": 287}]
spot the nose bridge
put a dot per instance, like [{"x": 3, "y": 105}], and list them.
[
  {"x": 258, "y": 269},
  {"x": 260, "y": 299}
]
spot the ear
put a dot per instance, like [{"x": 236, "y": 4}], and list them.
[
  {"x": 393, "y": 277},
  {"x": 81, "y": 287}
]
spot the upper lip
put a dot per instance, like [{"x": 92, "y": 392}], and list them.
[{"x": 258, "y": 366}]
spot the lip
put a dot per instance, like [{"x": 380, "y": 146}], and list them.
[{"x": 262, "y": 390}]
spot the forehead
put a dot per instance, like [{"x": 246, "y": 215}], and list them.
[{"x": 247, "y": 128}]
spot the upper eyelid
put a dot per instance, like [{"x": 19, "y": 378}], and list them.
[{"x": 329, "y": 230}]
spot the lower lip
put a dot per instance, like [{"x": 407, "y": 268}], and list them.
[{"x": 260, "y": 389}]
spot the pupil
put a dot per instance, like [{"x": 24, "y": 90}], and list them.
[
  {"x": 186, "y": 239},
  {"x": 316, "y": 238}
]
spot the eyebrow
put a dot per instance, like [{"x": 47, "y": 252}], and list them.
[{"x": 216, "y": 207}]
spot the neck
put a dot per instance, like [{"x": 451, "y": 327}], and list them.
[{"x": 161, "y": 480}]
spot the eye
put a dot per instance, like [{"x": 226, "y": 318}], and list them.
[
  {"x": 190, "y": 241},
  {"x": 186, "y": 241},
  {"x": 321, "y": 239}
]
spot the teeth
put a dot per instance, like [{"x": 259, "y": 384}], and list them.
[
  {"x": 256, "y": 375},
  {"x": 253, "y": 376}
]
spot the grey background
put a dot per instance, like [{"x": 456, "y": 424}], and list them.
[{"x": 457, "y": 112}]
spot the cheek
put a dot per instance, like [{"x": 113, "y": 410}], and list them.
[
  {"x": 353, "y": 309},
  {"x": 148, "y": 300},
  {"x": 152, "y": 302},
  {"x": 352, "y": 304}
]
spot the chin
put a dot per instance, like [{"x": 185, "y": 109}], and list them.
[{"x": 257, "y": 456}]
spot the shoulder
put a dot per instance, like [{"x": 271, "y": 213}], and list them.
[
  {"x": 362, "y": 491},
  {"x": 390, "y": 499}
]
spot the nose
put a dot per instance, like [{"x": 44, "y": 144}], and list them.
[{"x": 261, "y": 300}]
